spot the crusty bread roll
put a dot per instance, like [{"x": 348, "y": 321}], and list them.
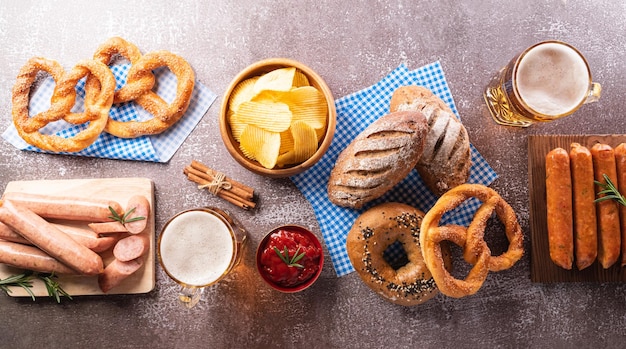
[
  {"x": 377, "y": 159},
  {"x": 446, "y": 160}
]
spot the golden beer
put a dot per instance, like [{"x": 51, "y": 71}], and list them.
[{"x": 547, "y": 81}]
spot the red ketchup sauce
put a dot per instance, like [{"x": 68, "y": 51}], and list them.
[{"x": 276, "y": 270}]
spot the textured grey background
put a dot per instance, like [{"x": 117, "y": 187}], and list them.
[{"x": 351, "y": 44}]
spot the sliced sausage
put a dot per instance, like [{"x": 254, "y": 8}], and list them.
[
  {"x": 584, "y": 195},
  {"x": 609, "y": 234},
  {"x": 66, "y": 207},
  {"x": 31, "y": 258},
  {"x": 141, "y": 208},
  {"x": 50, "y": 239},
  {"x": 559, "y": 208},
  {"x": 116, "y": 272},
  {"x": 131, "y": 247}
]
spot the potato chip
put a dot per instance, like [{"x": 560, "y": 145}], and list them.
[
  {"x": 275, "y": 117},
  {"x": 260, "y": 145},
  {"x": 242, "y": 92},
  {"x": 285, "y": 159},
  {"x": 236, "y": 126},
  {"x": 304, "y": 141},
  {"x": 278, "y": 118},
  {"x": 300, "y": 79},
  {"x": 309, "y": 105},
  {"x": 276, "y": 80},
  {"x": 286, "y": 142},
  {"x": 269, "y": 96}
]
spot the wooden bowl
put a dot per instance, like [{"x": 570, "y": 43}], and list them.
[{"x": 260, "y": 68}]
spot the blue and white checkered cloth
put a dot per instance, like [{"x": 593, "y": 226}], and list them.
[
  {"x": 354, "y": 113},
  {"x": 157, "y": 148}
]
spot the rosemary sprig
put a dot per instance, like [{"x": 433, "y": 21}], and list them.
[
  {"x": 609, "y": 191},
  {"x": 124, "y": 218},
  {"x": 21, "y": 280},
  {"x": 52, "y": 286},
  {"x": 24, "y": 281},
  {"x": 290, "y": 261}
]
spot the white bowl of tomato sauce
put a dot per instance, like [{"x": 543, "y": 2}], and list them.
[{"x": 290, "y": 258}]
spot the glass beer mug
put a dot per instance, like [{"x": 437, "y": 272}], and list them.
[
  {"x": 545, "y": 82},
  {"x": 197, "y": 248}
]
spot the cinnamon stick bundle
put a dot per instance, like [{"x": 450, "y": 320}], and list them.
[{"x": 220, "y": 185}]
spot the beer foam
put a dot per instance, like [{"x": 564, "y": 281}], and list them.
[
  {"x": 196, "y": 248},
  {"x": 552, "y": 79}
]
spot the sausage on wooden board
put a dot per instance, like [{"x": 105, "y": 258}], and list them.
[
  {"x": 584, "y": 195},
  {"x": 31, "y": 258},
  {"x": 66, "y": 207},
  {"x": 609, "y": 234},
  {"x": 620, "y": 164},
  {"x": 131, "y": 247},
  {"x": 559, "y": 208},
  {"x": 142, "y": 209},
  {"x": 116, "y": 272},
  {"x": 50, "y": 239}
]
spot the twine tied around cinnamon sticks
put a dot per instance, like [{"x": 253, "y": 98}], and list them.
[{"x": 218, "y": 184}]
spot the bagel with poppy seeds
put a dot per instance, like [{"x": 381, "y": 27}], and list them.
[{"x": 372, "y": 233}]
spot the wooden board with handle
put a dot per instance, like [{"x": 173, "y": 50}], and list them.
[{"x": 118, "y": 189}]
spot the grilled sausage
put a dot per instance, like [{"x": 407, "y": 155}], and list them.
[
  {"x": 583, "y": 194},
  {"x": 620, "y": 164},
  {"x": 609, "y": 235},
  {"x": 559, "y": 208}
]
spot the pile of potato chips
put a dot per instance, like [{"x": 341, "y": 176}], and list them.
[{"x": 278, "y": 118}]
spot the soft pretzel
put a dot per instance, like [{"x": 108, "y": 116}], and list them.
[
  {"x": 97, "y": 104},
  {"x": 139, "y": 84},
  {"x": 471, "y": 239},
  {"x": 99, "y": 95}
]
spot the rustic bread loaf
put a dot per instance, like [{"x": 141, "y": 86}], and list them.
[
  {"x": 377, "y": 159},
  {"x": 446, "y": 160}
]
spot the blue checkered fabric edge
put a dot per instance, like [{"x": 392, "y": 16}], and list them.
[
  {"x": 157, "y": 148},
  {"x": 354, "y": 113}
]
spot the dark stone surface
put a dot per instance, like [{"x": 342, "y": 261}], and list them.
[{"x": 352, "y": 44}]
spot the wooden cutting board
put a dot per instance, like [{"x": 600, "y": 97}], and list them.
[
  {"x": 542, "y": 267},
  {"x": 118, "y": 189}
]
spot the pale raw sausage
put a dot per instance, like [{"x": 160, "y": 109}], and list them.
[
  {"x": 66, "y": 207},
  {"x": 31, "y": 258},
  {"x": 116, "y": 272},
  {"x": 50, "y": 239}
]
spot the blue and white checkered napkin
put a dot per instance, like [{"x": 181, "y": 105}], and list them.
[
  {"x": 157, "y": 148},
  {"x": 354, "y": 113}
]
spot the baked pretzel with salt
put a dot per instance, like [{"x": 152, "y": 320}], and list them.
[
  {"x": 471, "y": 239},
  {"x": 97, "y": 103},
  {"x": 139, "y": 84},
  {"x": 100, "y": 95}
]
